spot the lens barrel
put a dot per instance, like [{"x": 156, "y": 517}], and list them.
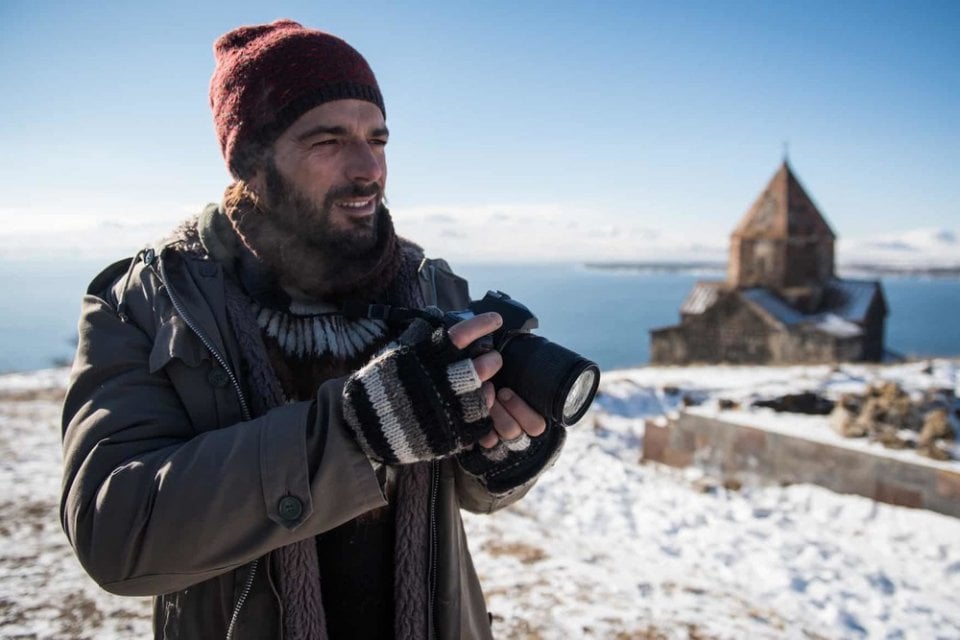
[{"x": 557, "y": 382}]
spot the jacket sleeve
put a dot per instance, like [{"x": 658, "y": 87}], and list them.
[{"x": 153, "y": 503}]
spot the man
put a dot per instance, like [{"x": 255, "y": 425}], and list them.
[{"x": 240, "y": 445}]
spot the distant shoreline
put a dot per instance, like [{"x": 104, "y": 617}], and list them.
[{"x": 875, "y": 270}]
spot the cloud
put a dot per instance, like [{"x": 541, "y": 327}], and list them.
[
  {"x": 549, "y": 232},
  {"x": 892, "y": 245},
  {"x": 921, "y": 247},
  {"x": 498, "y": 232},
  {"x": 946, "y": 236},
  {"x": 29, "y": 234}
]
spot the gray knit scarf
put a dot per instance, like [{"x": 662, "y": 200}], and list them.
[
  {"x": 299, "y": 573},
  {"x": 298, "y": 562}
]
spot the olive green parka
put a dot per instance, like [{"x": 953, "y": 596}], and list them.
[{"x": 172, "y": 489}]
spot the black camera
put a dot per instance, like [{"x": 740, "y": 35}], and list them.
[{"x": 557, "y": 382}]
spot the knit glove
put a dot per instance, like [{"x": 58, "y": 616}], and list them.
[
  {"x": 513, "y": 463},
  {"x": 418, "y": 399}
]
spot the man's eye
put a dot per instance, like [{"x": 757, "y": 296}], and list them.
[
  {"x": 329, "y": 142},
  {"x": 379, "y": 142}
]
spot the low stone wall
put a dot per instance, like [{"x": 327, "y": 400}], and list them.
[{"x": 736, "y": 452}]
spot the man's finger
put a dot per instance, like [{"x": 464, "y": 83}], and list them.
[
  {"x": 504, "y": 423},
  {"x": 490, "y": 440},
  {"x": 466, "y": 331},
  {"x": 489, "y": 394},
  {"x": 532, "y": 423},
  {"x": 488, "y": 364}
]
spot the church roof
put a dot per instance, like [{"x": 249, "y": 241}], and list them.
[
  {"x": 774, "y": 306},
  {"x": 851, "y": 299},
  {"x": 701, "y": 297},
  {"x": 843, "y": 312},
  {"x": 783, "y": 210}
]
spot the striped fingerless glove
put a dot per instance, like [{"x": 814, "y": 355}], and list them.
[
  {"x": 509, "y": 465},
  {"x": 418, "y": 399}
]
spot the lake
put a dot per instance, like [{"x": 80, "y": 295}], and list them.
[{"x": 604, "y": 315}]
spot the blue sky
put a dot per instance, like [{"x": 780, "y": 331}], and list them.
[{"x": 525, "y": 130}]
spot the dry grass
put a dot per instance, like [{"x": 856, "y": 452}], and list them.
[{"x": 525, "y": 553}]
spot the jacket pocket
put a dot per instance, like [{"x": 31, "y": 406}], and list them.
[
  {"x": 175, "y": 340},
  {"x": 178, "y": 355}
]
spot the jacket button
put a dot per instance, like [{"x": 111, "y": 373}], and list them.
[
  {"x": 218, "y": 377},
  {"x": 290, "y": 508}
]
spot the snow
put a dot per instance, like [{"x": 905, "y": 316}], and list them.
[
  {"x": 43, "y": 591},
  {"x": 837, "y": 326},
  {"x": 604, "y": 546},
  {"x": 639, "y": 393}
]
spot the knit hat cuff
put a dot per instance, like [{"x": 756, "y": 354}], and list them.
[{"x": 326, "y": 93}]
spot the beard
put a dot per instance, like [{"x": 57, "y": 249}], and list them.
[
  {"x": 310, "y": 257},
  {"x": 301, "y": 218}
]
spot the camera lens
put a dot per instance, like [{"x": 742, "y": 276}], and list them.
[
  {"x": 579, "y": 396},
  {"x": 559, "y": 383}
]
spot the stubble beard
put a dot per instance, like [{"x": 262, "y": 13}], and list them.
[
  {"x": 296, "y": 239},
  {"x": 310, "y": 224}
]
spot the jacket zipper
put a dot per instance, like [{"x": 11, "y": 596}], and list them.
[
  {"x": 221, "y": 360},
  {"x": 434, "y": 543},
  {"x": 247, "y": 586},
  {"x": 244, "y": 410}
]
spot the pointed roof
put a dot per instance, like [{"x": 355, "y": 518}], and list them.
[{"x": 783, "y": 210}]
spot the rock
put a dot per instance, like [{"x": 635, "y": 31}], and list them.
[
  {"x": 936, "y": 426},
  {"x": 732, "y": 484},
  {"x": 851, "y": 402},
  {"x": 891, "y": 405},
  {"x": 940, "y": 397},
  {"x": 844, "y": 421},
  {"x": 934, "y": 451},
  {"x": 727, "y": 405},
  {"x": 888, "y": 437},
  {"x": 887, "y": 390},
  {"x": 871, "y": 415},
  {"x": 887, "y": 413},
  {"x": 807, "y": 402},
  {"x": 689, "y": 400}
]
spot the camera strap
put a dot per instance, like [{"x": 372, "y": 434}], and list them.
[{"x": 390, "y": 314}]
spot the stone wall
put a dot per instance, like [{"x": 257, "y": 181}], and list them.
[
  {"x": 739, "y": 453},
  {"x": 808, "y": 346},
  {"x": 727, "y": 332},
  {"x": 731, "y": 332}
]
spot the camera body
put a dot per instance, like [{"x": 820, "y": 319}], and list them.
[
  {"x": 557, "y": 382},
  {"x": 517, "y": 319}
]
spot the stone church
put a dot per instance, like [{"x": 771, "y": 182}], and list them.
[{"x": 782, "y": 302}]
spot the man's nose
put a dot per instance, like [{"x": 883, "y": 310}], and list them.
[{"x": 366, "y": 163}]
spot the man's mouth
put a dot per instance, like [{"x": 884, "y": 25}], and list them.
[{"x": 358, "y": 207}]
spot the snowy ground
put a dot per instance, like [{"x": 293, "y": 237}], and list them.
[
  {"x": 603, "y": 547},
  {"x": 43, "y": 591},
  {"x": 657, "y": 392}
]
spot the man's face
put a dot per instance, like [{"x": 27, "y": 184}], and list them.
[{"x": 328, "y": 172}]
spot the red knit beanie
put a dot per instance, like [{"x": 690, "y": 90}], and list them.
[{"x": 269, "y": 75}]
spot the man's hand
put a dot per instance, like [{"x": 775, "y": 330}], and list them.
[{"x": 512, "y": 417}]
